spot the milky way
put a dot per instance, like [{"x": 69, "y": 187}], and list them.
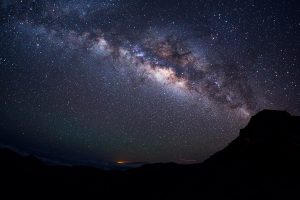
[
  {"x": 150, "y": 81},
  {"x": 168, "y": 61}
]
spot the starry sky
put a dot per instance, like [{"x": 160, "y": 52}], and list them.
[{"x": 142, "y": 80}]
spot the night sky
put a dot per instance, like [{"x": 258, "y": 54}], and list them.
[{"x": 142, "y": 80}]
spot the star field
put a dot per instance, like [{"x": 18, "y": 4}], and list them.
[{"x": 142, "y": 81}]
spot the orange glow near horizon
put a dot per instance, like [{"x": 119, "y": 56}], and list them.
[{"x": 121, "y": 162}]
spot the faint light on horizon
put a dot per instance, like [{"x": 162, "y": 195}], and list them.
[{"x": 121, "y": 162}]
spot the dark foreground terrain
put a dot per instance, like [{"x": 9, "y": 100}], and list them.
[{"x": 263, "y": 162}]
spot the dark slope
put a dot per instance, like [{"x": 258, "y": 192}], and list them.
[{"x": 262, "y": 162}]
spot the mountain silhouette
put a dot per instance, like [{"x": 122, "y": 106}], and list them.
[{"x": 263, "y": 162}]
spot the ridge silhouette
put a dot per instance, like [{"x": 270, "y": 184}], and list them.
[{"x": 262, "y": 162}]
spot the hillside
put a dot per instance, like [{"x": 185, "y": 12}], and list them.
[{"x": 262, "y": 162}]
